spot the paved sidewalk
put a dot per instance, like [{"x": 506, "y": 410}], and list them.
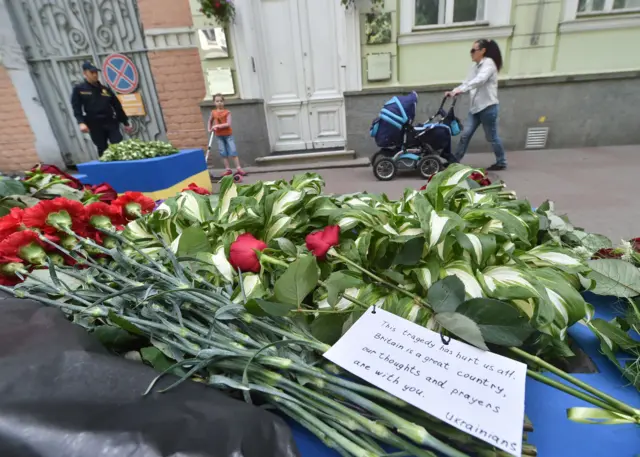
[{"x": 599, "y": 188}]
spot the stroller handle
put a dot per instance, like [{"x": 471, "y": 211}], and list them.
[
  {"x": 444, "y": 101},
  {"x": 441, "y": 107}
]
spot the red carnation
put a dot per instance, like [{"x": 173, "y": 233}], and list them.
[
  {"x": 9, "y": 265},
  {"x": 320, "y": 242},
  {"x": 53, "y": 170},
  {"x": 106, "y": 193},
  {"x": 242, "y": 253},
  {"x": 57, "y": 214},
  {"x": 101, "y": 215},
  {"x": 25, "y": 245},
  {"x": 197, "y": 189},
  {"x": 11, "y": 223},
  {"x": 134, "y": 205}
]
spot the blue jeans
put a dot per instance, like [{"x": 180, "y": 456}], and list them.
[
  {"x": 227, "y": 146},
  {"x": 488, "y": 117}
]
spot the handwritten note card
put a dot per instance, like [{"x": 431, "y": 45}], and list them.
[{"x": 479, "y": 392}]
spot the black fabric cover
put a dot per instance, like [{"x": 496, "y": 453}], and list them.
[{"x": 63, "y": 395}]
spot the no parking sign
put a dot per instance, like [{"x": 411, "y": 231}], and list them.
[{"x": 120, "y": 73}]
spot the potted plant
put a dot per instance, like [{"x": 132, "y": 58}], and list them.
[{"x": 223, "y": 11}]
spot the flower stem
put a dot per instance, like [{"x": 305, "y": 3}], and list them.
[
  {"x": 379, "y": 279},
  {"x": 576, "y": 393},
  {"x": 547, "y": 366},
  {"x": 491, "y": 187},
  {"x": 272, "y": 260}
]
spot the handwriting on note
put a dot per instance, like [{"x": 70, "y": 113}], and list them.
[{"x": 479, "y": 392}]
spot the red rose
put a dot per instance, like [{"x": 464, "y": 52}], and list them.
[
  {"x": 320, "y": 242},
  {"x": 635, "y": 243},
  {"x": 197, "y": 189},
  {"x": 11, "y": 223},
  {"x": 101, "y": 215},
  {"x": 133, "y": 205},
  {"x": 217, "y": 5},
  {"x": 242, "y": 253},
  {"x": 607, "y": 253},
  {"x": 53, "y": 170},
  {"x": 57, "y": 214},
  {"x": 25, "y": 245},
  {"x": 105, "y": 191}
]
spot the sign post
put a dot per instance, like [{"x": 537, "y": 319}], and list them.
[
  {"x": 132, "y": 104},
  {"x": 121, "y": 73},
  {"x": 122, "y": 76}
]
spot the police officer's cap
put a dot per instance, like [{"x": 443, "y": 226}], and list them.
[{"x": 89, "y": 66}]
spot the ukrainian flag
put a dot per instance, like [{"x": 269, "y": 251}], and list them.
[{"x": 158, "y": 178}]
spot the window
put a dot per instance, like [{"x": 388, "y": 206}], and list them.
[
  {"x": 447, "y": 12},
  {"x": 607, "y": 6}
]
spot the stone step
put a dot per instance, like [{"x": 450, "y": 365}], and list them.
[{"x": 305, "y": 157}]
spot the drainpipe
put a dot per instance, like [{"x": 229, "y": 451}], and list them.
[{"x": 537, "y": 25}]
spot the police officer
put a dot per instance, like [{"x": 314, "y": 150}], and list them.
[{"x": 98, "y": 110}]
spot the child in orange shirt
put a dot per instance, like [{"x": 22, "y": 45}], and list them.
[{"x": 220, "y": 125}]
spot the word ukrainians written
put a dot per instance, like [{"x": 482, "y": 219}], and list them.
[{"x": 478, "y": 392}]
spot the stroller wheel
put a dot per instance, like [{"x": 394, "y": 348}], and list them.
[
  {"x": 429, "y": 166},
  {"x": 384, "y": 169}
]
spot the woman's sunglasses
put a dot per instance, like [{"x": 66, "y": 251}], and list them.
[{"x": 474, "y": 50}]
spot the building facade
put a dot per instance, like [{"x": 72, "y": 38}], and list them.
[{"x": 304, "y": 76}]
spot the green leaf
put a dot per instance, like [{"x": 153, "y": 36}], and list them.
[
  {"x": 410, "y": 253},
  {"x": 297, "y": 282},
  {"x": 262, "y": 308},
  {"x": 615, "y": 278},
  {"x": 463, "y": 328},
  {"x": 287, "y": 247},
  {"x": 424, "y": 209},
  {"x": 593, "y": 241},
  {"x": 338, "y": 282},
  {"x": 124, "y": 324},
  {"x": 154, "y": 357},
  {"x": 193, "y": 241},
  {"x": 618, "y": 338},
  {"x": 115, "y": 338},
  {"x": 446, "y": 295},
  {"x": 10, "y": 186},
  {"x": 480, "y": 246},
  {"x": 499, "y": 322},
  {"x": 328, "y": 327}
]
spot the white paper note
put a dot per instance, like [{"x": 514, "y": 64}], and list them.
[{"x": 479, "y": 392}]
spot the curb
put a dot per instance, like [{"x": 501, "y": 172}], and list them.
[{"x": 355, "y": 163}]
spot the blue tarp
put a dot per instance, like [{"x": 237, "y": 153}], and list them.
[{"x": 554, "y": 435}]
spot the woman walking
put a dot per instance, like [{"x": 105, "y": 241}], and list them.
[{"x": 482, "y": 85}]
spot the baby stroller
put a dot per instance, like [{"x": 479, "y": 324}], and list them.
[{"x": 403, "y": 146}]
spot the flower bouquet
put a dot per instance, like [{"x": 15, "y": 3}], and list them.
[
  {"x": 245, "y": 290},
  {"x": 137, "y": 150}
]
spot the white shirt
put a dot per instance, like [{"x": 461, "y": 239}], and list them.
[{"x": 482, "y": 84}]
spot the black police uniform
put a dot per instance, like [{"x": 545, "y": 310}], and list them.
[{"x": 99, "y": 108}]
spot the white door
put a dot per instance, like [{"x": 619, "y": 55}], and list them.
[{"x": 301, "y": 46}]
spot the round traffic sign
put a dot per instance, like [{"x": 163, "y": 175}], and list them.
[{"x": 120, "y": 73}]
